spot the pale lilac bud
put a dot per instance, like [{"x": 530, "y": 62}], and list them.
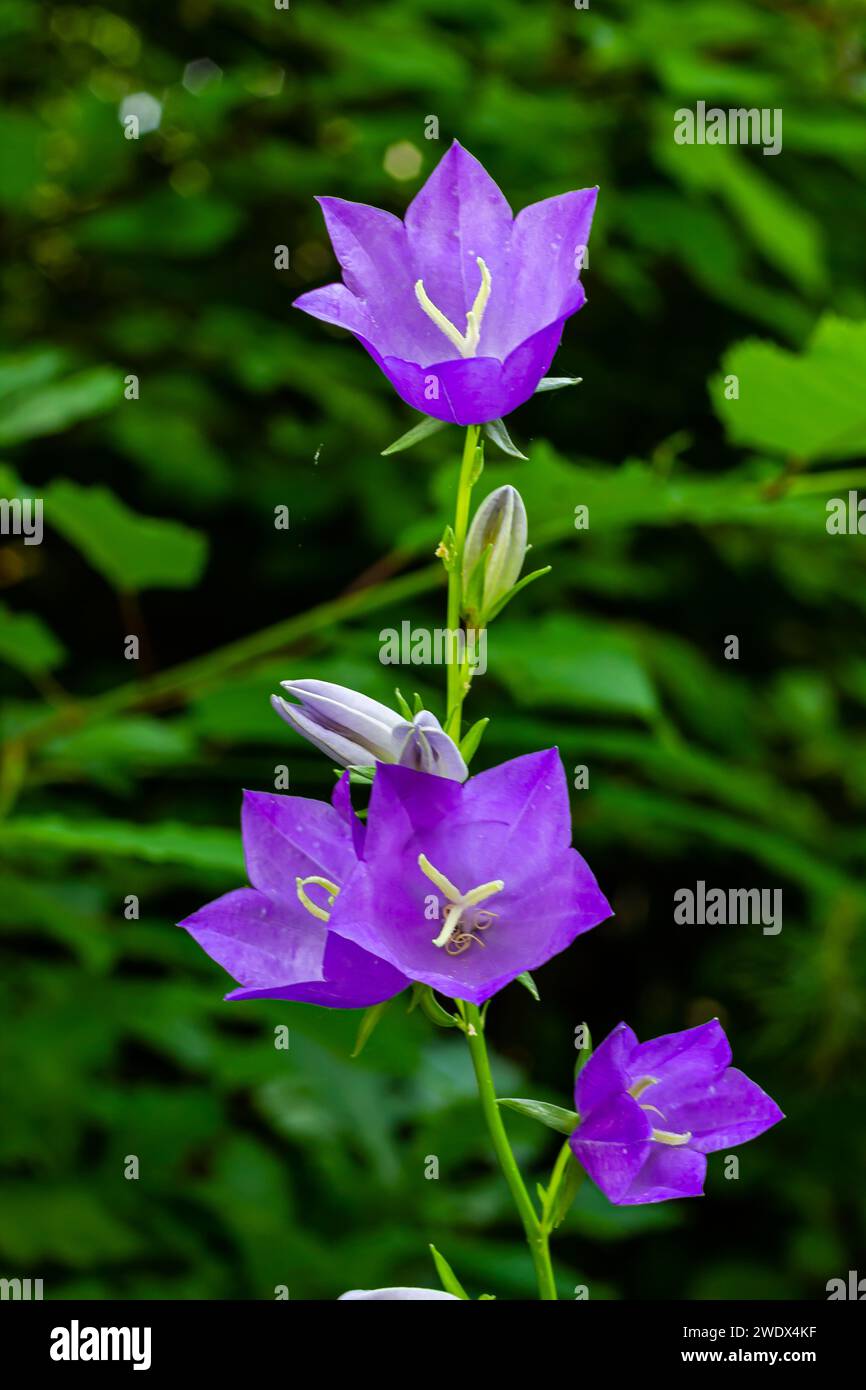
[
  {"x": 397, "y": 1295},
  {"x": 356, "y": 731}
]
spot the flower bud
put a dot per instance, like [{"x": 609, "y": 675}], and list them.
[
  {"x": 398, "y": 1295},
  {"x": 356, "y": 731},
  {"x": 494, "y": 552}
]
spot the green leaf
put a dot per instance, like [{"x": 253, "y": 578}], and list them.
[
  {"x": 528, "y": 983},
  {"x": 556, "y": 383},
  {"x": 497, "y": 432},
  {"x": 194, "y": 846},
  {"x": 359, "y": 776},
  {"x": 369, "y": 1022},
  {"x": 27, "y": 644},
  {"x": 430, "y": 1006},
  {"x": 471, "y": 739},
  {"x": 521, "y": 584},
  {"x": 808, "y": 405},
  {"x": 132, "y": 552},
  {"x": 426, "y": 426},
  {"x": 566, "y": 1192},
  {"x": 449, "y": 1280},
  {"x": 402, "y": 705},
  {"x": 563, "y": 1121},
  {"x": 55, "y": 406}
]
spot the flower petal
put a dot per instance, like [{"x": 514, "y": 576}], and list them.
[
  {"x": 546, "y": 250},
  {"x": 727, "y": 1112},
  {"x": 694, "y": 1056},
  {"x": 289, "y": 837},
  {"x": 667, "y": 1173},
  {"x": 472, "y": 390},
  {"x": 351, "y": 979},
  {"x": 458, "y": 215},
  {"x": 607, "y": 1071},
  {"x": 613, "y": 1144},
  {"x": 260, "y": 942}
]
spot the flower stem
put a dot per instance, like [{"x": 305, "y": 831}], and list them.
[
  {"x": 536, "y": 1233},
  {"x": 455, "y": 672}
]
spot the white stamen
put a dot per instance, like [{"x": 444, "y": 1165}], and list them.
[
  {"x": 465, "y": 343},
  {"x": 457, "y": 901},
  {"x": 666, "y": 1136}
]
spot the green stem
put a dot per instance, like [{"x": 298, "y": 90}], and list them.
[
  {"x": 456, "y": 679},
  {"x": 536, "y": 1233}
]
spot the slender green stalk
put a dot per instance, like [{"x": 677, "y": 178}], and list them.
[
  {"x": 536, "y": 1233},
  {"x": 455, "y": 673}
]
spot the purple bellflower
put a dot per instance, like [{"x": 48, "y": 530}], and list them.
[
  {"x": 462, "y": 305},
  {"x": 356, "y": 731},
  {"x": 651, "y": 1112},
  {"x": 466, "y": 886},
  {"x": 273, "y": 938}
]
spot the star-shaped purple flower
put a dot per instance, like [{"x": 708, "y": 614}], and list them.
[
  {"x": 274, "y": 938},
  {"x": 464, "y": 886},
  {"x": 462, "y": 304},
  {"x": 651, "y": 1112}
]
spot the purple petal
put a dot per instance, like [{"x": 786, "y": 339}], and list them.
[
  {"x": 471, "y": 390},
  {"x": 668, "y": 1173},
  {"x": 349, "y": 979},
  {"x": 289, "y": 837},
  {"x": 544, "y": 265},
  {"x": 727, "y": 1112},
  {"x": 510, "y": 830},
  {"x": 529, "y": 796},
  {"x": 373, "y": 249},
  {"x": 458, "y": 215},
  {"x": 335, "y": 304},
  {"x": 679, "y": 1060},
  {"x": 607, "y": 1072},
  {"x": 341, "y": 800},
  {"x": 260, "y": 942},
  {"x": 613, "y": 1144}
]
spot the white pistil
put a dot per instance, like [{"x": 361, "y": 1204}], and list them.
[
  {"x": 666, "y": 1136},
  {"x": 465, "y": 343},
  {"x": 457, "y": 902},
  {"x": 331, "y": 889},
  {"x": 661, "y": 1136}
]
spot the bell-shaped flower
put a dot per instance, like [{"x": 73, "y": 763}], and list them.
[
  {"x": 466, "y": 886},
  {"x": 273, "y": 938},
  {"x": 462, "y": 305},
  {"x": 651, "y": 1112},
  {"x": 356, "y": 731}
]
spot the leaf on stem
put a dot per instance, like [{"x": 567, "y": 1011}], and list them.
[
  {"x": 369, "y": 1022},
  {"x": 449, "y": 1280},
  {"x": 426, "y": 426},
  {"x": 471, "y": 739},
  {"x": 556, "y": 383},
  {"x": 554, "y": 1116},
  {"x": 497, "y": 432},
  {"x": 528, "y": 983}
]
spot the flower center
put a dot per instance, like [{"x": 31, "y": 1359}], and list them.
[
  {"x": 661, "y": 1136},
  {"x": 465, "y": 343},
  {"x": 460, "y": 921},
  {"x": 330, "y": 888}
]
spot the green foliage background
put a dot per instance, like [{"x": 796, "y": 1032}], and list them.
[{"x": 707, "y": 518}]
